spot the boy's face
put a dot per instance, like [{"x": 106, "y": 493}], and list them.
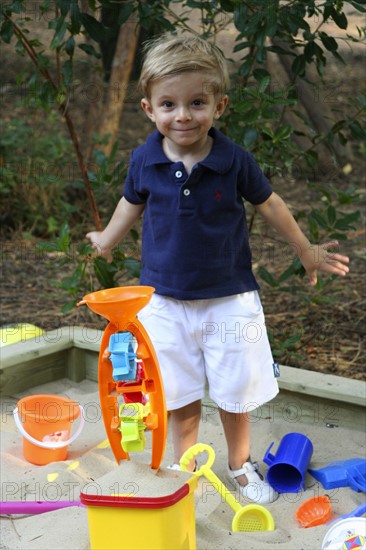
[{"x": 184, "y": 107}]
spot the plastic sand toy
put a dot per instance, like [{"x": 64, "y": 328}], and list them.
[
  {"x": 287, "y": 468},
  {"x": 252, "y": 517},
  {"x": 128, "y": 373},
  {"x": 315, "y": 511},
  {"x": 45, "y": 423},
  {"x": 12, "y": 334},
  {"x": 342, "y": 473}
]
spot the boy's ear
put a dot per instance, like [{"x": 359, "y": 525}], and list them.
[
  {"x": 147, "y": 108},
  {"x": 221, "y": 106}
]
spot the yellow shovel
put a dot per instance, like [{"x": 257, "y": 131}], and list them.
[{"x": 252, "y": 517}]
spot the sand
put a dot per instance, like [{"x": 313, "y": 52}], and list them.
[{"x": 90, "y": 464}]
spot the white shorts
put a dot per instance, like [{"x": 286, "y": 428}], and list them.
[{"x": 221, "y": 340}]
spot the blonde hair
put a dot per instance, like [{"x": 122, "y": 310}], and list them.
[{"x": 169, "y": 55}]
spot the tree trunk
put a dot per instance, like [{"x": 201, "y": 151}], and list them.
[
  {"x": 118, "y": 83},
  {"x": 318, "y": 112}
]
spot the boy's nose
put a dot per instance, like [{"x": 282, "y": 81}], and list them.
[{"x": 183, "y": 114}]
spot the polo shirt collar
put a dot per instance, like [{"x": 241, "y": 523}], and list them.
[{"x": 219, "y": 160}]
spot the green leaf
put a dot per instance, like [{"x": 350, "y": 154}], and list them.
[
  {"x": 90, "y": 50},
  {"x": 347, "y": 221},
  {"x": 267, "y": 277},
  {"x": 66, "y": 308},
  {"x": 6, "y": 31},
  {"x": 46, "y": 246},
  {"x": 64, "y": 6},
  {"x": 283, "y": 132},
  {"x": 64, "y": 242},
  {"x": 264, "y": 83},
  {"x": 85, "y": 249},
  {"x": 259, "y": 74},
  {"x": 298, "y": 65},
  {"x": 70, "y": 46},
  {"x": 329, "y": 42},
  {"x": 252, "y": 115},
  {"x": 357, "y": 130},
  {"x": 339, "y": 19},
  {"x": 104, "y": 272},
  {"x": 59, "y": 35},
  {"x": 249, "y": 136},
  {"x": 292, "y": 340},
  {"x": 332, "y": 214},
  {"x": 342, "y": 138},
  {"x": 240, "y": 17},
  {"x": 67, "y": 71},
  {"x": 133, "y": 267},
  {"x": 319, "y": 218},
  {"x": 267, "y": 131},
  {"x": 94, "y": 28},
  {"x": 75, "y": 18},
  {"x": 296, "y": 268},
  {"x": 357, "y": 4},
  {"x": 134, "y": 234},
  {"x": 339, "y": 125},
  {"x": 289, "y": 272},
  {"x": 313, "y": 228},
  {"x": 17, "y": 6},
  {"x": 125, "y": 11},
  {"x": 64, "y": 233}
]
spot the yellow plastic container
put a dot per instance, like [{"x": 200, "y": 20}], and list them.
[
  {"x": 142, "y": 521},
  {"x": 13, "y": 334}
]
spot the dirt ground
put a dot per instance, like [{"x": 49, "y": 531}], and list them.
[{"x": 328, "y": 327}]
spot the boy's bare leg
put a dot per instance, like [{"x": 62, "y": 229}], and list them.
[
  {"x": 185, "y": 425},
  {"x": 237, "y": 433}
]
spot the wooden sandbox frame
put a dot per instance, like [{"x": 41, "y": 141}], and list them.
[{"x": 72, "y": 352}]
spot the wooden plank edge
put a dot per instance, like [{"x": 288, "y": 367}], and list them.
[
  {"x": 48, "y": 343},
  {"x": 327, "y": 386},
  {"x": 300, "y": 381}
]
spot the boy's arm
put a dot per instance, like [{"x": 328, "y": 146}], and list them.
[
  {"x": 313, "y": 257},
  {"x": 124, "y": 216}
]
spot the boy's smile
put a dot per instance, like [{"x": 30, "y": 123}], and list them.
[{"x": 184, "y": 111}]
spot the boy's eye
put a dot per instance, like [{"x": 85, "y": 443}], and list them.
[
  {"x": 198, "y": 102},
  {"x": 167, "y": 104}
]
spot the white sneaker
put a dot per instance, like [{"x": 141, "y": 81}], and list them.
[
  {"x": 174, "y": 467},
  {"x": 257, "y": 489}
]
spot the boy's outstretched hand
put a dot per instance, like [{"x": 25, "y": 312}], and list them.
[
  {"x": 317, "y": 258},
  {"x": 96, "y": 240}
]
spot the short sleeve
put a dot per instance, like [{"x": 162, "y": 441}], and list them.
[
  {"x": 253, "y": 185},
  {"x": 132, "y": 191}
]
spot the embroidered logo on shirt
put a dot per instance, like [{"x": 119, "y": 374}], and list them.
[{"x": 218, "y": 196}]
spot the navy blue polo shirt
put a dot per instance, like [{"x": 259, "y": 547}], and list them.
[{"x": 195, "y": 241}]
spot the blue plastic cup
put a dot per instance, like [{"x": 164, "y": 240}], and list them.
[{"x": 287, "y": 469}]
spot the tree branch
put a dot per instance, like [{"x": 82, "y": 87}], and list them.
[{"x": 62, "y": 108}]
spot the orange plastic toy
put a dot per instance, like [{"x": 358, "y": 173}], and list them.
[
  {"x": 315, "y": 511},
  {"x": 120, "y": 306}
]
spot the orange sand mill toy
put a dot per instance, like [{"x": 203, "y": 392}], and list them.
[{"x": 134, "y": 375}]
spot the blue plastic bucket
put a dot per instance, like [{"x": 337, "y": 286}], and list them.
[{"x": 287, "y": 469}]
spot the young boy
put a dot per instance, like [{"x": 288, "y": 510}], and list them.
[{"x": 205, "y": 318}]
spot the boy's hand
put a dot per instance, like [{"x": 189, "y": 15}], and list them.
[
  {"x": 96, "y": 239},
  {"x": 317, "y": 258}
]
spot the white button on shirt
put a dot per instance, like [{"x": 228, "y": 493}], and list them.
[
  {"x": 186, "y": 192},
  {"x": 178, "y": 174}
]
